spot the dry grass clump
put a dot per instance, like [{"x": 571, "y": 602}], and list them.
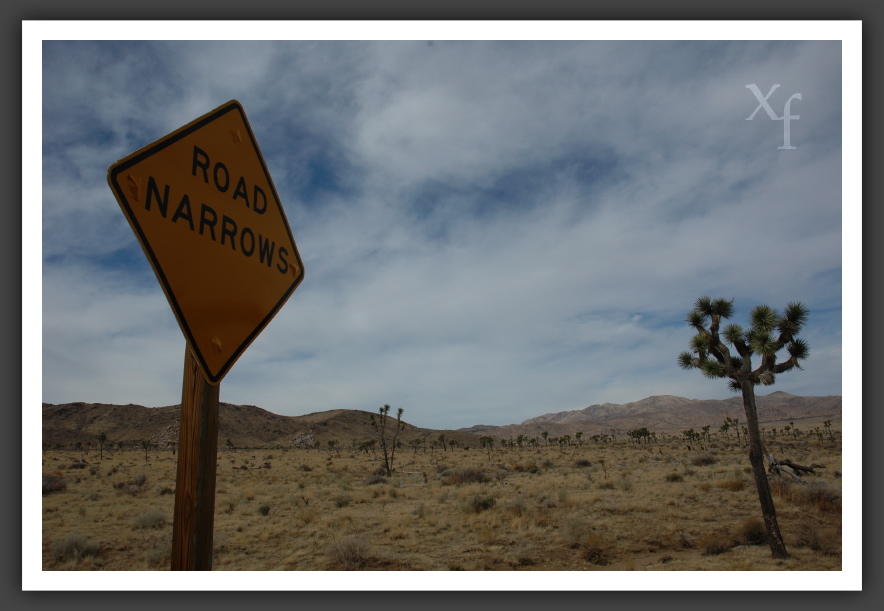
[
  {"x": 703, "y": 460},
  {"x": 734, "y": 485},
  {"x": 149, "y": 519},
  {"x": 466, "y": 476},
  {"x": 526, "y": 467},
  {"x": 351, "y": 553},
  {"x": 133, "y": 486},
  {"x": 74, "y": 547},
  {"x": 477, "y": 503},
  {"x": 375, "y": 478},
  {"x": 713, "y": 545},
  {"x": 815, "y": 493},
  {"x": 576, "y": 532},
  {"x": 821, "y": 495},
  {"x": 342, "y": 500},
  {"x": 752, "y": 532},
  {"x": 53, "y": 483},
  {"x": 597, "y": 550},
  {"x": 824, "y": 540}
]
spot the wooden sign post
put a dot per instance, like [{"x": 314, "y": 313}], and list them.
[
  {"x": 194, "y": 519},
  {"x": 207, "y": 215}
]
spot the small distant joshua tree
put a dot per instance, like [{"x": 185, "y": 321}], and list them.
[
  {"x": 101, "y": 439},
  {"x": 770, "y": 332},
  {"x": 380, "y": 425},
  {"x": 827, "y": 425}
]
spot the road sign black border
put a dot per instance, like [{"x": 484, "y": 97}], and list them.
[{"x": 155, "y": 147}]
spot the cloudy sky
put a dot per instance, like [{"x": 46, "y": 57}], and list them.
[{"x": 491, "y": 229}]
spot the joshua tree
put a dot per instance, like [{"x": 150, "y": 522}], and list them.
[
  {"x": 381, "y": 428},
  {"x": 770, "y": 332},
  {"x": 101, "y": 439},
  {"x": 827, "y": 424}
]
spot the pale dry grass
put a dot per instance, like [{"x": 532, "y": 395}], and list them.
[{"x": 606, "y": 507}]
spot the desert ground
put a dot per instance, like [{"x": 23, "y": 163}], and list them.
[{"x": 594, "y": 506}]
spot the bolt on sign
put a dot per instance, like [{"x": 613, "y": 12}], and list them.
[{"x": 204, "y": 208}]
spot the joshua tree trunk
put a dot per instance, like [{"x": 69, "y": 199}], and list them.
[{"x": 756, "y": 458}]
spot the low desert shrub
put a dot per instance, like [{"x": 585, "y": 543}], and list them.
[
  {"x": 713, "y": 545},
  {"x": 342, "y": 500},
  {"x": 815, "y": 493},
  {"x": 597, "y": 550},
  {"x": 819, "y": 494},
  {"x": 823, "y": 540},
  {"x": 466, "y": 476},
  {"x": 581, "y": 463},
  {"x": 133, "y": 486},
  {"x": 54, "y": 483},
  {"x": 624, "y": 484},
  {"x": 516, "y": 508},
  {"x": 734, "y": 485},
  {"x": 264, "y": 509},
  {"x": 674, "y": 477},
  {"x": 149, "y": 519},
  {"x": 478, "y": 503},
  {"x": 528, "y": 467},
  {"x": 575, "y": 532},
  {"x": 74, "y": 547},
  {"x": 350, "y": 553},
  {"x": 375, "y": 478},
  {"x": 752, "y": 532},
  {"x": 703, "y": 460}
]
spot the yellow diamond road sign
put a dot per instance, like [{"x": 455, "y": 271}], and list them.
[{"x": 202, "y": 204}]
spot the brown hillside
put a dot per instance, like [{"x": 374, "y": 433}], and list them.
[{"x": 244, "y": 425}]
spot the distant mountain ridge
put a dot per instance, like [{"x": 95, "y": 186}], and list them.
[
  {"x": 251, "y": 426},
  {"x": 666, "y": 412}
]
